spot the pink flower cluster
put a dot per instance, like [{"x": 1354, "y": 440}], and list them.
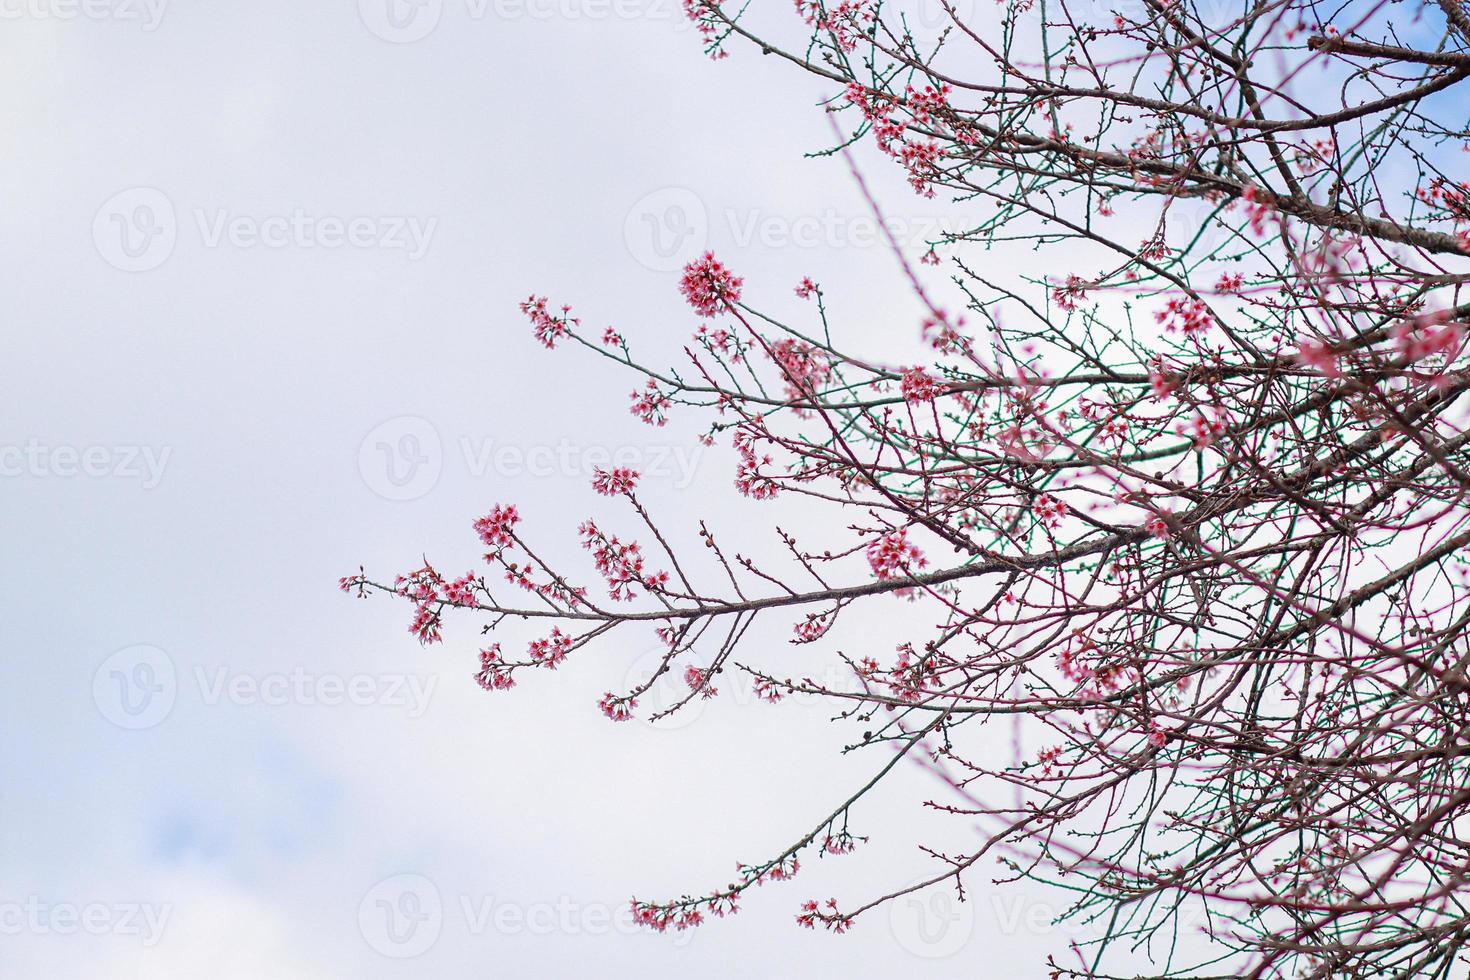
[
  {"x": 847, "y": 21},
  {"x": 721, "y": 342},
  {"x": 497, "y": 527},
  {"x": 876, "y": 108},
  {"x": 430, "y": 593},
  {"x": 1203, "y": 431},
  {"x": 650, "y": 404},
  {"x": 1320, "y": 358},
  {"x": 1448, "y": 196},
  {"x": 783, "y": 869},
  {"x": 493, "y": 675},
  {"x": 1070, "y": 294},
  {"x": 708, "y": 286},
  {"x": 912, "y": 675},
  {"x": 921, "y": 160},
  {"x": 698, "y": 679},
  {"x": 918, "y": 386},
  {"x": 1049, "y": 510},
  {"x": 548, "y": 327},
  {"x": 551, "y": 651},
  {"x": 1160, "y": 383},
  {"x": 1157, "y": 737},
  {"x": 461, "y": 592},
  {"x": 813, "y": 627},
  {"x": 1257, "y": 209},
  {"x": 1097, "y": 681},
  {"x": 616, "y": 708},
  {"x": 426, "y": 623},
  {"x": 684, "y": 914},
  {"x": 620, "y": 563},
  {"x": 1426, "y": 336},
  {"x": 767, "y": 690},
  {"x": 1189, "y": 316},
  {"x": 942, "y": 335},
  {"x": 749, "y": 480},
  {"x": 804, "y": 368},
  {"x": 825, "y": 913},
  {"x": 611, "y": 483},
  {"x": 705, "y": 16},
  {"x": 919, "y": 157},
  {"x": 928, "y": 103},
  {"x": 892, "y": 556}
]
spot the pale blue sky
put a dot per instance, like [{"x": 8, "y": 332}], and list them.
[{"x": 174, "y": 181}]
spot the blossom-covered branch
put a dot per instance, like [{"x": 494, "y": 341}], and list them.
[{"x": 1190, "y": 508}]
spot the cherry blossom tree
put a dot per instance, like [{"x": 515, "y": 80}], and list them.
[{"x": 1189, "y": 509}]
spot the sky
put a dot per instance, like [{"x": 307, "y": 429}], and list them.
[{"x": 264, "y": 262}]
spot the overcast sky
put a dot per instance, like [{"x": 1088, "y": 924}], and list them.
[{"x": 263, "y": 264}]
